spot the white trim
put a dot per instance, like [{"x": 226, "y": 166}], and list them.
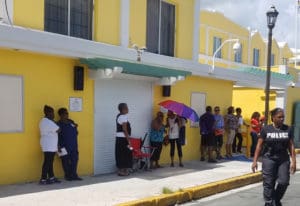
[
  {"x": 196, "y": 32},
  {"x": 124, "y": 19},
  {"x": 61, "y": 45}
]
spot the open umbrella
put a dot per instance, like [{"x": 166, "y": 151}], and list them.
[{"x": 180, "y": 109}]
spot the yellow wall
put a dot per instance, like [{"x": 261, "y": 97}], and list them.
[
  {"x": 258, "y": 43},
  {"x": 138, "y": 18},
  {"x": 29, "y": 13},
  {"x": 47, "y": 80},
  {"x": 181, "y": 92},
  {"x": 242, "y": 97},
  {"x": 215, "y": 24},
  {"x": 107, "y": 21}
]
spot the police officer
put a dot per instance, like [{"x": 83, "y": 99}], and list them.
[{"x": 276, "y": 143}]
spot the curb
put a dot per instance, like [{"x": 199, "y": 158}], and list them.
[{"x": 197, "y": 192}]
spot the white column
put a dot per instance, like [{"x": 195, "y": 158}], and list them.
[
  {"x": 124, "y": 23},
  {"x": 280, "y": 98},
  {"x": 6, "y": 16},
  {"x": 196, "y": 33}
]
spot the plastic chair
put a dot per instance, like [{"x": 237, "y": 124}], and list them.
[{"x": 141, "y": 154}]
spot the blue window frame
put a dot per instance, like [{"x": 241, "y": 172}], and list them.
[
  {"x": 256, "y": 57},
  {"x": 217, "y": 44},
  {"x": 238, "y": 55},
  {"x": 272, "y": 59}
]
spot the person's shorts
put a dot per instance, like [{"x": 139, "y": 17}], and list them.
[{"x": 208, "y": 140}]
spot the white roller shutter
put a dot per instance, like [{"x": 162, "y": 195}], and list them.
[{"x": 108, "y": 94}]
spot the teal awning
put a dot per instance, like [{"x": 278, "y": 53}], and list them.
[
  {"x": 261, "y": 72},
  {"x": 134, "y": 67}
]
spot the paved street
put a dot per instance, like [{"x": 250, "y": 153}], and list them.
[{"x": 251, "y": 195}]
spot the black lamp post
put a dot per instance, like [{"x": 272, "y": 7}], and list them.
[{"x": 271, "y": 17}]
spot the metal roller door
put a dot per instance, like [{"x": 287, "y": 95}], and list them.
[{"x": 108, "y": 94}]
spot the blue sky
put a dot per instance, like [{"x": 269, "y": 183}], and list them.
[{"x": 252, "y": 13}]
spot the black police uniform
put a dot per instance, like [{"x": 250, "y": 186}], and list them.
[{"x": 275, "y": 162}]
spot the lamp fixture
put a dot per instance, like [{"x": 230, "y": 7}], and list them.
[
  {"x": 236, "y": 48},
  {"x": 139, "y": 51}
]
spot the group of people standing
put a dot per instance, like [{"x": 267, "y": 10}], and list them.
[
  {"x": 212, "y": 129},
  {"x": 172, "y": 132},
  {"x": 61, "y": 137}
]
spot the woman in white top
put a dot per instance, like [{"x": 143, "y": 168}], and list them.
[
  {"x": 49, "y": 145},
  {"x": 174, "y": 125},
  {"x": 123, "y": 153}
]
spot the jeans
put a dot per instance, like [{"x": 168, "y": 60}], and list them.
[
  {"x": 47, "y": 169},
  {"x": 254, "y": 138},
  {"x": 238, "y": 147},
  {"x": 178, "y": 144}
]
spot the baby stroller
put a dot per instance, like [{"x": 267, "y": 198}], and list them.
[{"x": 141, "y": 154}]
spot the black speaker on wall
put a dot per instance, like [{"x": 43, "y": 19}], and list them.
[
  {"x": 78, "y": 78},
  {"x": 166, "y": 91}
]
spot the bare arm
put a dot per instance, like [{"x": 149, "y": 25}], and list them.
[
  {"x": 256, "y": 154},
  {"x": 293, "y": 156},
  {"x": 124, "y": 127}
]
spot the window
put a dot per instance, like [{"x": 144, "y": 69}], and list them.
[
  {"x": 238, "y": 55},
  {"x": 217, "y": 44},
  {"x": 272, "y": 59},
  {"x": 160, "y": 37},
  {"x": 69, "y": 17},
  {"x": 256, "y": 57}
]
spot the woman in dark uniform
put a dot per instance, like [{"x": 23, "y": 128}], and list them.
[
  {"x": 123, "y": 149},
  {"x": 277, "y": 141}
]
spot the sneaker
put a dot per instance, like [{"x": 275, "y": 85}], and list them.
[
  {"x": 172, "y": 165},
  {"x": 77, "y": 178},
  {"x": 180, "y": 165},
  {"x": 202, "y": 159},
  {"x": 53, "y": 180},
  {"x": 43, "y": 182}
]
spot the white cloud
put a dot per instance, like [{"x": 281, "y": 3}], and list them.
[{"x": 252, "y": 13}]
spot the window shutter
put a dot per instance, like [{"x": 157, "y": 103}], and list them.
[
  {"x": 81, "y": 18},
  {"x": 152, "y": 32},
  {"x": 56, "y": 16},
  {"x": 167, "y": 34}
]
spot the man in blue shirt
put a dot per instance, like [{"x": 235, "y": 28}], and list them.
[
  {"x": 67, "y": 139},
  {"x": 207, "y": 123}
]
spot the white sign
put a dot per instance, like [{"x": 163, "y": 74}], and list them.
[{"x": 75, "y": 104}]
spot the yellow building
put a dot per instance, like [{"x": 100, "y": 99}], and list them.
[{"x": 91, "y": 58}]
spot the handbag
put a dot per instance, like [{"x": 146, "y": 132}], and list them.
[{"x": 166, "y": 140}]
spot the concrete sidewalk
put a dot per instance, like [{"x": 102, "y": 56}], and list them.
[{"x": 111, "y": 189}]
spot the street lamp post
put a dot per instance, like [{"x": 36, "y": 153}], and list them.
[
  {"x": 271, "y": 19},
  {"x": 236, "y": 47}
]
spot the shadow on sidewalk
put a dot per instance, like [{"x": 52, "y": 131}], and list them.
[{"x": 107, "y": 179}]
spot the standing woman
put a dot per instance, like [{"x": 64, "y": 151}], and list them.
[
  {"x": 156, "y": 139},
  {"x": 255, "y": 129},
  {"x": 123, "y": 152},
  {"x": 231, "y": 123},
  {"x": 49, "y": 143},
  {"x": 173, "y": 133},
  {"x": 278, "y": 144}
]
